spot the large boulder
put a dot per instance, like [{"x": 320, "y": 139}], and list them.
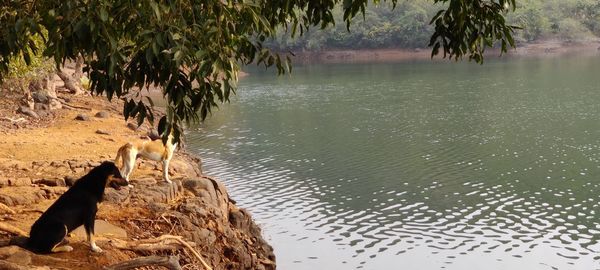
[
  {"x": 161, "y": 192},
  {"x": 211, "y": 191}
]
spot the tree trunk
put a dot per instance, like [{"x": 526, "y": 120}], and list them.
[
  {"x": 70, "y": 83},
  {"x": 78, "y": 68}
]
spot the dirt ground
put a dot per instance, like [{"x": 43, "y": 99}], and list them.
[{"x": 66, "y": 138}]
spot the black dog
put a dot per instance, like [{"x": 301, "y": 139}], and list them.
[{"x": 74, "y": 208}]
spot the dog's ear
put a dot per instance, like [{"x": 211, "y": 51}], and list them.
[
  {"x": 107, "y": 164},
  {"x": 115, "y": 181},
  {"x": 114, "y": 178}
]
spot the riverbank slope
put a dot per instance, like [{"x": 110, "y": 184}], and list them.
[{"x": 41, "y": 156}]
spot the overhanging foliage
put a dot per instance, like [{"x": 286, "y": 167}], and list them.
[{"x": 193, "y": 49}]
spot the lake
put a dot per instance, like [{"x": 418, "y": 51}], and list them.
[{"x": 417, "y": 165}]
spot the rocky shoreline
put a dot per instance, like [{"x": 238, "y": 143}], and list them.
[
  {"x": 41, "y": 156},
  {"x": 548, "y": 48}
]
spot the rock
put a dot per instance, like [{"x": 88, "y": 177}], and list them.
[
  {"x": 43, "y": 113},
  {"x": 56, "y": 164},
  {"x": 22, "y": 166},
  {"x": 21, "y": 181},
  {"x": 82, "y": 117},
  {"x": 93, "y": 164},
  {"x": 55, "y": 104},
  {"x": 211, "y": 192},
  {"x": 116, "y": 196},
  {"x": 41, "y": 107},
  {"x": 103, "y": 132},
  {"x": 70, "y": 180},
  {"x": 184, "y": 168},
  {"x": 53, "y": 192},
  {"x": 196, "y": 186},
  {"x": 132, "y": 126},
  {"x": 15, "y": 258},
  {"x": 204, "y": 236},
  {"x": 21, "y": 195},
  {"x": 6, "y": 200},
  {"x": 8, "y": 251},
  {"x": 193, "y": 208},
  {"x": 102, "y": 229},
  {"x": 78, "y": 171},
  {"x": 54, "y": 182},
  {"x": 157, "y": 207},
  {"x": 39, "y": 163},
  {"x": 77, "y": 164},
  {"x": 39, "y": 97},
  {"x": 3, "y": 181},
  {"x": 161, "y": 192},
  {"x": 241, "y": 219},
  {"x": 27, "y": 111},
  {"x": 102, "y": 114},
  {"x": 20, "y": 257}
]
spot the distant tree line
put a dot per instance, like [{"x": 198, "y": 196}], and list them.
[{"x": 407, "y": 26}]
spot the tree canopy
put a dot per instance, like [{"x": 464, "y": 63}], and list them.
[{"x": 193, "y": 50}]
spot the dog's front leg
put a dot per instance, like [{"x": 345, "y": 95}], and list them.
[
  {"x": 89, "y": 230},
  {"x": 95, "y": 248}
]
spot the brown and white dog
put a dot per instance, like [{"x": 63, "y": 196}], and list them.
[{"x": 148, "y": 149}]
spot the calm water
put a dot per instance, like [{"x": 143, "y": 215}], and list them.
[{"x": 417, "y": 165}]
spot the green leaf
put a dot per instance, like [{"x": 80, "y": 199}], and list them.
[
  {"x": 156, "y": 10},
  {"x": 162, "y": 125},
  {"x": 177, "y": 56},
  {"x": 103, "y": 14}
]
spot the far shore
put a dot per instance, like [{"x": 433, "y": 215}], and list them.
[{"x": 542, "y": 49}]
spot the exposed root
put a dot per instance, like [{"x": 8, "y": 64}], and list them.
[
  {"x": 170, "y": 262},
  {"x": 70, "y": 84},
  {"x": 14, "y": 120},
  {"x": 6, "y": 210},
  {"x": 12, "y": 229}
]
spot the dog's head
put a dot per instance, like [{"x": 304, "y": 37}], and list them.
[{"x": 114, "y": 178}]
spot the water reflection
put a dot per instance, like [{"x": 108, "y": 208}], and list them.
[{"x": 417, "y": 166}]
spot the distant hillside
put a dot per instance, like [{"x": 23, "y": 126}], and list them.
[{"x": 407, "y": 26}]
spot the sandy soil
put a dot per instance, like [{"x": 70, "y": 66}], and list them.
[{"x": 67, "y": 138}]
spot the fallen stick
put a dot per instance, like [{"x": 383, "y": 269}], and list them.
[
  {"x": 11, "y": 229},
  {"x": 160, "y": 243},
  {"x": 14, "y": 120},
  {"x": 195, "y": 253},
  {"x": 170, "y": 262},
  {"x": 164, "y": 242},
  {"x": 69, "y": 106}
]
